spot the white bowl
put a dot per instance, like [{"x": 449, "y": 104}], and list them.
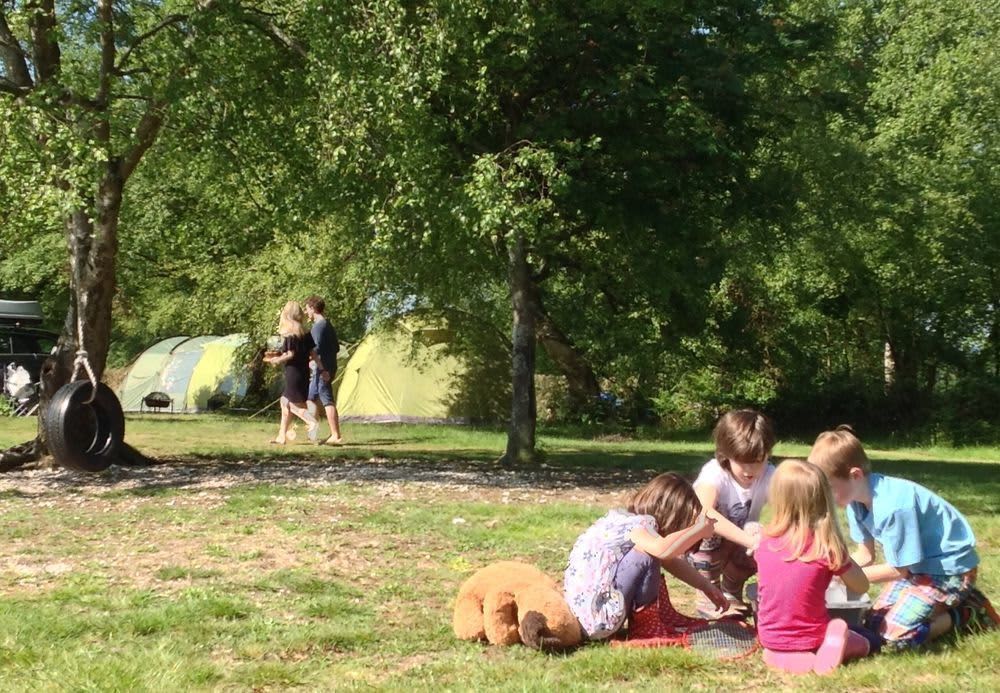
[{"x": 840, "y": 603}]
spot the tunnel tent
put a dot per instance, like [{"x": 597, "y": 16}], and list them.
[
  {"x": 190, "y": 370},
  {"x": 406, "y": 372},
  {"x": 143, "y": 376},
  {"x": 217, "y": 372},
  {"x": 178, "y": 369}
]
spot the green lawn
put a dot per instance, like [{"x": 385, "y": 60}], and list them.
[{"x": 242, "y": 566}]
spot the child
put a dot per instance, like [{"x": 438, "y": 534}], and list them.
[
  {"x": 801, "y": 549},
  {"x": 614, "y": 567},
  {"x": 732, "y": 487},
  {"x": 929, "y": 547}
]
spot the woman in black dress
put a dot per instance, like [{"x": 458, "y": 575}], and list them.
[{"x": 295, "y": 353}]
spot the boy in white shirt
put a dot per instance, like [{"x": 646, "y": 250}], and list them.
[{"x": 732, "y": 487}]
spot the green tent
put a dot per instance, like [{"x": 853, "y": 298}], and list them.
[
  {"x": 409, "y": 373},
  {"x": 190, "y": 370}
]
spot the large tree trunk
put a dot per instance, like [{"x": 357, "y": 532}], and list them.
[
  {"x": 92, "y": 247},
  {"x": 580, "y": 379},
  {"x": 92, "y": 238},
  {"x": 521, "y": 436}
]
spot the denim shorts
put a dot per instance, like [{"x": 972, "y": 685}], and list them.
[{"x": 320, "y": 389}]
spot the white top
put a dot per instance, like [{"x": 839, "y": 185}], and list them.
[{"x": 737, "y": 504}]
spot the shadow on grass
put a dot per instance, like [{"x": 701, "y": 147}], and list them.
[
  {"x": 972, "y": 487},
  {"x": 231, "y": 469}
]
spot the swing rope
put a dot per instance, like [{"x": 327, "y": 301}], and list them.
[{"x": 82, "y": 360}]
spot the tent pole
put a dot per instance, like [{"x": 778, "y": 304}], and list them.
[{"x": 266, "y": 407}]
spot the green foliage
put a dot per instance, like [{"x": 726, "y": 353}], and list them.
[
  {"x": 724, "y": 205},
  {"x": 888, "y": 247},
  {"x": 615, "y": 139}
]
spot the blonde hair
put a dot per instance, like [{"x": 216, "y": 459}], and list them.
[
  {"x": 670, "y": 499},
  {"x": 290, "y": 320},
  {"x": 744, "y": 435},
  {"x": 838, "y": 451},
  {"x": 804, "y": 516}
]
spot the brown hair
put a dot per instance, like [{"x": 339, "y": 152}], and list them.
[
  {"x": 743, "y": 435},
  {"x": 804, "y": 516},
  {"x": 838, "y": 451},
  {"x": 316, "y": 303},
  {"x": 670, "y": 499}
]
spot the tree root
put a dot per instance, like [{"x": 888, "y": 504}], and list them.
[
  {"x": 25, "y": 454},
  {"x": 128, "y": 456},
  {"x": 30, "y": 453}
]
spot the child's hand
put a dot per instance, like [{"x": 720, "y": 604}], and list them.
[
  {"x": 753, "y": 529},
  {"x": 705, "y": 526},
  {"x": 717, "y": 597}
]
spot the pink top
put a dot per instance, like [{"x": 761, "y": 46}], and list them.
[{"x": 791, "y": 611}]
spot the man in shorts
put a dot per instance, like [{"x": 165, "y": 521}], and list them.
[{"x": 324, "y": 369}]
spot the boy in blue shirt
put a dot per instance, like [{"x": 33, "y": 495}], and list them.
[{"x": 930, "y": 550}]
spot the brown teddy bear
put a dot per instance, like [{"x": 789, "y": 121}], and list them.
[{"x": 510, "y": 602}]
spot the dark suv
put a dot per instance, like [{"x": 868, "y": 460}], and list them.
[{"x": 22, "y": 343}]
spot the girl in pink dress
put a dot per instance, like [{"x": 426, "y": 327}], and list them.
[{"x": 800, "y": 551}]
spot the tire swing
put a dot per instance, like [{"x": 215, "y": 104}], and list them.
[{"x": 84, "y": 425}]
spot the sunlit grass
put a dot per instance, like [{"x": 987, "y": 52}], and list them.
[{"x": 346, "y": 584}]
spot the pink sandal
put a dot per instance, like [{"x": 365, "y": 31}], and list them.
[{"x": 830, "y": 654}]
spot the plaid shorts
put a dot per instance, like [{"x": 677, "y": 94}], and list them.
[{"x": 903, "y": 611}]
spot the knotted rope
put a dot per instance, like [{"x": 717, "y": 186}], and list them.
[{"x": 82, "y": 360}]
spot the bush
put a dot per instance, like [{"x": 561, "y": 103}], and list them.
[
  {"x": 822, "y": 405},
  {"x": 968, "y": 412}
]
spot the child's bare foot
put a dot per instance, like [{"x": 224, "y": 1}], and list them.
[
  {"x": 276, "y": 441},
  {"x": 333, "y": 441}
]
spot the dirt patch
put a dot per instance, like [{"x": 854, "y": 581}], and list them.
[
  {"x": 103, "y": 524},
  {"x": 613, "y": 438},
  {"x": 398, "y": 479}
]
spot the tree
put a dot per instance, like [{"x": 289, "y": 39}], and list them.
[
  {"x": 85, "y": 92},
  {"x": 880, "y": 289},
  {"x": 585, "y": 150}
]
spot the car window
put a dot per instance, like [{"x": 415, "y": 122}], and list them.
[
  {"x": 25, "y": 344},
  {"x": 46, "y": 345}
]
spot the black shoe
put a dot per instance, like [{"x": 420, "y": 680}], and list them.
[{"x": 975, "y": 614}]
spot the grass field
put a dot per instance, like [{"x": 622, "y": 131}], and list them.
[{"x": 242, "y": 566}]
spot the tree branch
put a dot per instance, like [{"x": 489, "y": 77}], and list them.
[
  {"x": 105, "y": 15},
  {"x": 10, "y": 88},
  {"x": 169, "y": 20},
  {"x": 46, "y": 55},
  {"x": 130, "y": 97},
  {"x": 145, "y": 134},
  {"x": 14, "y": 59},
  {"x": 267, "y": 25}
]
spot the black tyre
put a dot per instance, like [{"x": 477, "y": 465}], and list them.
[{"x": 81, "y": 436}]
